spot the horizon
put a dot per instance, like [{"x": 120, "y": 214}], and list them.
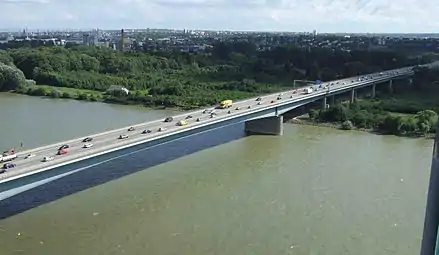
[{"x": 326, "y": 16}]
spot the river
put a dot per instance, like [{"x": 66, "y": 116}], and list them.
[{"x": 312, "y": 191}]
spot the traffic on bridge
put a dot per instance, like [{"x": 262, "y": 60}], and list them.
[{"x": 17, "y": 164}]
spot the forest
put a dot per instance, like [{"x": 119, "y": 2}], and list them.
[{"x": 229, "y": 70}]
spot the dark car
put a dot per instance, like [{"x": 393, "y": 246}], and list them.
[
  {"x": 2, "y": 171},
  {"x": 65, "y": 146},
  {"x": 146, "y": 131},
  {"x": 189, "y": 117},
  {"x": 9, "y": 165},
  {"x": 87, "y": 139},
  {"x": 131, "y": 129},
  {"x": 169, "y": 119}
]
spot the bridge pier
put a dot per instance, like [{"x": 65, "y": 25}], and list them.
[
  {"x": 373, "y": 90},
  {"x": 266, "y": 126},
  {"x": 391, "y": 86},
  {"x": 352, "y": 95},
  {"x": 324, "y": 103}
]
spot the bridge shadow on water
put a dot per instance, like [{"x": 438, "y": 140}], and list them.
[{"x": 117, "y": 168}]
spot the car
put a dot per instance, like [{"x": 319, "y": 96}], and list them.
[
  {"x": 131, "y": 129},
  {"x": 229, "y": 112},
  {"x": 87, "y": 140},
  {"x": 2, "y": 171},
  {"x": 146, "y": 131},
  {"x": 88, "y": 145},
  {"x": 198, "y": 119},
  {"x": 249, "y": 107},
  {"x": 9, "y": 165},
  {"x": 272, "y": 101},
  {"x": 238, "y": 108},
  {"x": 294, "y": 91},
  {"x": 123, "y": 137},
  {"x": 162, "y": 129},
  {"x": 279, "y": 98},
  {"x": 259, "y": 103},
  {"x": 291, "y": 96},
  {"x": 259, "y": 99},
  {"x": 49, "y": 158},
  {"x": 65, "y": 146},
  {"x": 169, "y": 119},
  {"x": 189, "y": 117},
  {"x": 62, "y": 152},
  {"x": 29, "y": 156}
]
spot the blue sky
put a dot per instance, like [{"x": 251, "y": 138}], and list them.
[{"x": 261, "y": 15}]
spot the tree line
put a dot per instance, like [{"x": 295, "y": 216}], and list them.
[{"x": 230, "y": 70}]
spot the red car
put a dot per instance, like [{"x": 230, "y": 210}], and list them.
[{"x": 62, "y": 152}]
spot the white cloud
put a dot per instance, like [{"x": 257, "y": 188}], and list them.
[{"x": 286, "y": 15}]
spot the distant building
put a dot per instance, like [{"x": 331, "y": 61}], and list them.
[
  {"x": 89, "y": 40},
  {"x": 117, "y": 89}
]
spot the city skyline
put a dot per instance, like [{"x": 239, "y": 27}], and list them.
[{"x": 328, "y": 16}]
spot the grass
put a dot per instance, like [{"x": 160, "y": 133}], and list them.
[{"x": 71, "y": 91}]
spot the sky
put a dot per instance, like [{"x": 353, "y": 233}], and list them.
[{"x": 331, "y": 16}]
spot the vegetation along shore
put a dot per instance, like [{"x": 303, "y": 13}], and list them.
[{"x": 230, "y": 70}]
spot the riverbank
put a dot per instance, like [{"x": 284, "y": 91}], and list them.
[
  {"x": 372, "y": 116},
  {"x": 46, "y": 91},
  {"x": 305, "y": 120}
]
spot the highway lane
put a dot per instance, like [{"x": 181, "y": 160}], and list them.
[
  {"x": 24, "y": 165},
  {"x": 109, "y": 139}
]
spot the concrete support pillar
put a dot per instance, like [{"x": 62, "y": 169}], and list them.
[
  {"x": 374, "y": 90},
  {"x": 265, "y": 126},
  {"x": 352, "y": 95},
  {"x": 332, "y": 100},
  {"x": 410, "y": 81},
  {"x": 324, "y": 103},
  {"x": 391, "y": 86}
]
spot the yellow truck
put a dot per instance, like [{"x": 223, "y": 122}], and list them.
[
  {"x": 182, "y": 123},
  {"x": 226, "y": 104}
]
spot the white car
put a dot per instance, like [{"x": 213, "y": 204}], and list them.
[
  {"x": 123, "y": 137},
  {"x": 162, "y": 129},
  {"x": 49, "y": 158},
  {"x": 29, "y": 156},
  {"x": 87, "y": 145}
]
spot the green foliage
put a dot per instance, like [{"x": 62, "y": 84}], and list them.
[
  {"x": 11, "y": 77},
  {"x": 231, "y": 70},
  {"x": 371, "y": 115}
]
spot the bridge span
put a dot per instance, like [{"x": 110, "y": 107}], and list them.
[{"x": 262, "y": 115}]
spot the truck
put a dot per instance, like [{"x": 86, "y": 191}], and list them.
[
  {"x": 8, "y": 155},
  {"x": 307, "y": 91},
  {"x": 226, "y": 104},
  {"x": 182, "y": 123}
]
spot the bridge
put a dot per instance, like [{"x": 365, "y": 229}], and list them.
[{"x": 262, "y": 115}]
